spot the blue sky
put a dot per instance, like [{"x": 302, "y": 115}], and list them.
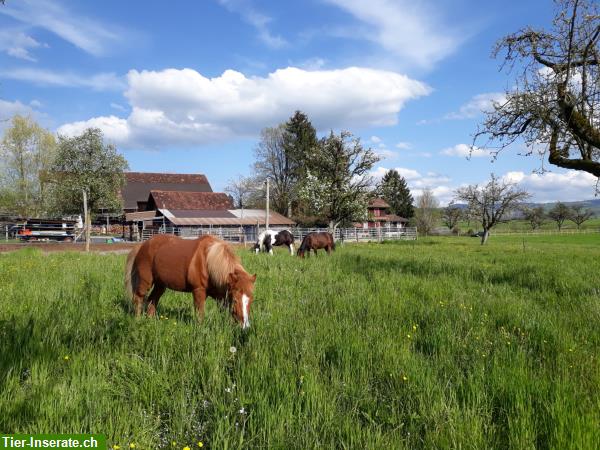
[{"x": 186, "y": 86}]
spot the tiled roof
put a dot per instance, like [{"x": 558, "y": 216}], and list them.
[
  {"x": 389, "y": 218},
  {"x": 179, "y": 178},
  {"x": 139, "y": 184},
  {"x": 177, "y": 200},
  {"x": 378, "y": 203}
]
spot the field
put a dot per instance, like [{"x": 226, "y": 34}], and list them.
[{"x": 440, "y": 343}]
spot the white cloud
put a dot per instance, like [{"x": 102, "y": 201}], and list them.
[
  {"x": 9, "y": 109},
  {"x": 87, "y": 34},
  {"x": 568, "y": 185},
  {"x": 375, "y": 139},
  {"x": 17, "y": 44},
  {"x": 412, "y": 31},
  {"x": 98, "y": 82},
  {"x": 114, "y": 128},
  {"x": 385, "y": 153},
  {"x": 439, "y": 184},
  {"x": 408, "y": 174},
  {"x": 118, "y": 107},
  {"x": 258, "y": 20},
  {"x": 183, "y": 107},
  {"x": 479, "y": 104},
  {"x": 404, "y": 145},
  {"x": 464, "y": 151}
]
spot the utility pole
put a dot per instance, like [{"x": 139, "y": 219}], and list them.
[
  {"x": 87, "y": 225},
  {"x": 267, "y": 209}
]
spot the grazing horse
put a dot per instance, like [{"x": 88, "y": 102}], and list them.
[
  {"x": 314, "y": 241},
  {"x": 204, "y": 266},
  {"x": 268, "y": 239}
]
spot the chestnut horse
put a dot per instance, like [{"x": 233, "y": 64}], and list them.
[
  {"x": 314, "y": 241},
  {"x": 204, "y": 266}
]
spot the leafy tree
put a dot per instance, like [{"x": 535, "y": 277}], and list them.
[
  {"x": 27, "y": 151},
  {"x": 85, "y": 162},
  {"x": 426, "y": 215},
  {"x": 555, "y": 101},
  {"x": 451, "y": 215},
  {"x": 300, "y": 143},
  {"x": 559, "y": 213},
  {"x": 535, "y": 216},
  {"x": 282, "y": 155},
  {"x": 394, "y": 190},
  {"x": 337, "y": 183},
  {"x": 579, "y": 215},
  {"x": 490, "y": 203}
]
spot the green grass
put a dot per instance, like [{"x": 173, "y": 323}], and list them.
[{"x": 442, "y": 343}]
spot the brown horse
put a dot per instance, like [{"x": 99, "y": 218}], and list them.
[
  {"x": 314, "y": 241},
  {"x": 204, "y": 266}
]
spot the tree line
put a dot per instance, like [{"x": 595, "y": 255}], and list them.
[
  {"x": 316, "y": 181},
  {"x": 44, "y": 175}
]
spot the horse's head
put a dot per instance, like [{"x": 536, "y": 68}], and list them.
[{"x": 241, "y": 289}]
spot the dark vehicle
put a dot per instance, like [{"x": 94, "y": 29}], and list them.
[{"x": 48, "y": 230}]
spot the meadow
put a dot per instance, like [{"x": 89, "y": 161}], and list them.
[{"x": 439, "y": 343}]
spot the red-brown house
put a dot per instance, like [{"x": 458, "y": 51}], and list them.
[{"x": 378, "y": 216}]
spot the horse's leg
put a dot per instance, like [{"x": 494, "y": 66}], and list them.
[
  {"x": 199, "y": 300},
  {"x": 315, "y": 250},
  {"x": 328, "y": 249},
  {"x": 291, "y": 248},
  {"x": 139, "y": 295},
  {"x": 154, "y": 297}
]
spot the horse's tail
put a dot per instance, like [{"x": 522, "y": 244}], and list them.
[{"x": 131, "y": 276}]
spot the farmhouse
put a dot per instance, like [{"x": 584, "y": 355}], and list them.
[
  {"x": 378, "y": 216},
  {"x": 186, "y": 202},
  {"x": 139, "y": 184}
]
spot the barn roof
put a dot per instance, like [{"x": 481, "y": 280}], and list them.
[
  {"x": 139, "y": 184},
  {"x": 392, "y": 218},
  {"x": 188, "y": 201},
  {"x": 223, "y": 217},
  {"x": 378, "y": 203}
]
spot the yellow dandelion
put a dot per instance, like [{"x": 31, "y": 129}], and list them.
[
  {"x": 200, "y": 444},
  {"x": 66, "y": 357},
  {"x": 186, "y": 448},
  {"x": 132, "y": 445},
  {"x": 116, "y": 447},
  {"x": 404, "y": 377},
  {"x": 414, "y": 328},
  {"x": 173, "y": 444},
  {"x": 408, "y": 336}
]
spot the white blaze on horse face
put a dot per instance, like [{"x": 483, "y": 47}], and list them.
[{"x": 245, "y": 307}]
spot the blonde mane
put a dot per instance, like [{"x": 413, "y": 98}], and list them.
[{"x": 221, "y": 262}]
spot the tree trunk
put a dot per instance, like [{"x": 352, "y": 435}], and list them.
[{"x": 484, "y": 238}]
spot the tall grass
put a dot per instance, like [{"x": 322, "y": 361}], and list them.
[{"x": 440, "y": 343}]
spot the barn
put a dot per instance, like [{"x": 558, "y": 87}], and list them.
[{"x": 185, "y": 204}]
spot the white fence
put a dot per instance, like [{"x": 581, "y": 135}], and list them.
[{"x": 248, "y": 235}]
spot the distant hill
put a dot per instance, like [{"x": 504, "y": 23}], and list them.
[{"x": 593, "y": 204}]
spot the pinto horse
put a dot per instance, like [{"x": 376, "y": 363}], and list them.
[
  {"x": 204, "y": 266},
  {"x": 314, "y": 241},
  {"x": 270, "y": 238}
]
